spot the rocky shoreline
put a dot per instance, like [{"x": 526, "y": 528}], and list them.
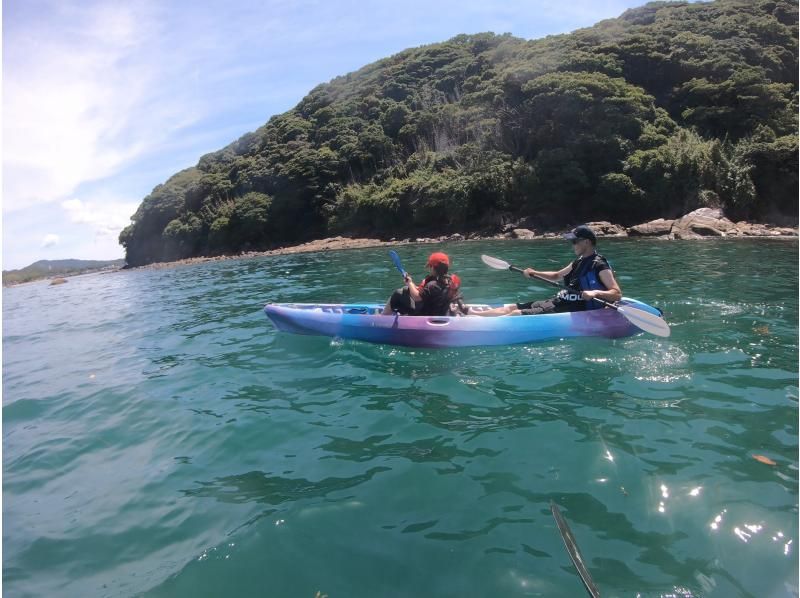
[
  {"x": 699, "y": 224},
  {"x": 703, "y": 223}
]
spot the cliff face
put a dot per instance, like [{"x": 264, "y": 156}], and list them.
[{"x": 668, "y": 108}]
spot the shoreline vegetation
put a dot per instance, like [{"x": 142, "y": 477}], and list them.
[
  {"x": 671, "y": 107},
  {"x": 701, "y": 224}
]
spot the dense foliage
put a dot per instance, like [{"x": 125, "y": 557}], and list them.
[{"x": 669, "y": 107}]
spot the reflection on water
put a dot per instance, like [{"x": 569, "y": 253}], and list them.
[{"x": 256, "y": 486}]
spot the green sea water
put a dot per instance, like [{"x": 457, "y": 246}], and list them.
[{"x": 161, "y": 438}]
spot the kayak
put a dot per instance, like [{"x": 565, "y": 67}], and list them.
[{"x": 364, "y": 322}]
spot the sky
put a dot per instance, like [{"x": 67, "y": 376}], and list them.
[{"x": 103, "y": 100}]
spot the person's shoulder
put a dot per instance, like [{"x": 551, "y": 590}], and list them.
[
  {"x": 432, "y": 286},
  {"x": 600, "y": 261}
]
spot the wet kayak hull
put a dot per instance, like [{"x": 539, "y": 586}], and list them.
[{"x": 362, "y": 321}]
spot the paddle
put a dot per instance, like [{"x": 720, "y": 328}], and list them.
[
  {"x": 638, "y": 317},
  {"x": 574, "y": 553},
  {"x": 397, "y": 263}
]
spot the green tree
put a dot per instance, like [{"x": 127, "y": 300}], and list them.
[
  {"x": 249, "y": 223},
  {"x": 182, "y": 237}
]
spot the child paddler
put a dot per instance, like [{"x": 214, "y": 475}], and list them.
[{"x": 437, "y": 295}]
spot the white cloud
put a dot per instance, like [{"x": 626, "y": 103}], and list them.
[
  {"x": 50, "y": 240},
  {"x": 83, "y": 96},
  {"x": 103, "y": 216}
]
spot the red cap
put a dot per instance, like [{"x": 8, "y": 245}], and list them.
[{"x": 438, "y": 258}]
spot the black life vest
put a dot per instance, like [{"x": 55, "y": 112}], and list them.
[
  {"x": 438, "y": 292},
  {"x": 584, "y": 276}
]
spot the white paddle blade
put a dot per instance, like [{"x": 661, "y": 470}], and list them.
[
  {"x": 645, "y": 320},
  {"x": 495, "y": 263}
]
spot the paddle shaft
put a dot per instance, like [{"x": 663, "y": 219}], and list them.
[{"x": 574, "y": 554}]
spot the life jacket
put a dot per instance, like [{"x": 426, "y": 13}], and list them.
[
  {"x": 583, "y": 276},
  {"x": 437, "y": 298}
]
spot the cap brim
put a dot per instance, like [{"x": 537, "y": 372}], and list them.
[{"x": 570, "y": 236}]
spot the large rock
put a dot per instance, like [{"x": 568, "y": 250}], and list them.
[
  {"x": 654, "y": 228},
  {"x": 784, "y": 231},
  {"x": 526, "y": 223},
  {"x": 604, "y": 228},
  {"x": 756, "y": 229},
  {"x": 684, "y": 233},
  {"x": 501, "y": 222},
  {"x": 523, "y": 233},
  {"x": 702, "y": 222}
]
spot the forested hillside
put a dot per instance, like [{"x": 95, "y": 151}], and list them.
[
  {"x": 670, "y": 107},
  {"x": 50, "y": 268}
]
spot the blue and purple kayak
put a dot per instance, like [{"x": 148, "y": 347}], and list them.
[{"x": 364, "y": 322}]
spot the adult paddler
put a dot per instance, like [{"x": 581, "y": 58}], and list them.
[{"x": 587, "y": 277}]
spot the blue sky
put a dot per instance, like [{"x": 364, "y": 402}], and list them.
[{"x": 104, "y": 100}]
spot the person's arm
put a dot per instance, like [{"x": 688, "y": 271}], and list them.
[
  {"x": 413, "y": 290},
  {"x": 555, "y": 276},
  {"x": 611, "y": 294}
]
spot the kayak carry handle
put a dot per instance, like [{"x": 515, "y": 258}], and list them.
[{"x": 438, "y": 321}]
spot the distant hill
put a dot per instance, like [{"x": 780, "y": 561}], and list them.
[
  {"x": 49, "y": 268},
  {"x": 670, "y": 107}
]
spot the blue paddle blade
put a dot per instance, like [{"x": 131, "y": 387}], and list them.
[{"x": 397, "y": 263}]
